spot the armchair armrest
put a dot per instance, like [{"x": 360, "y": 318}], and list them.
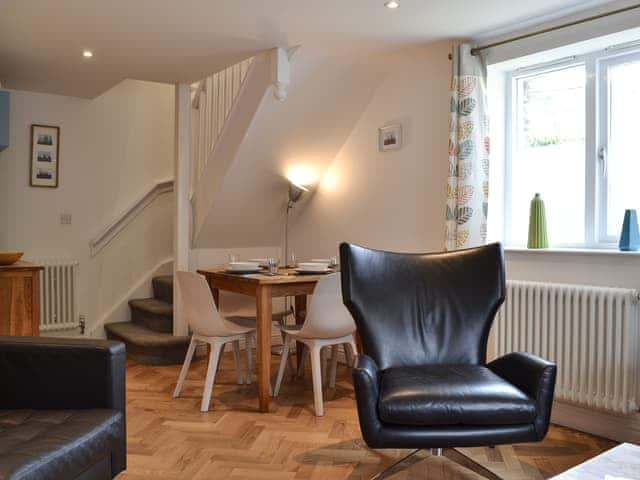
[
  {"x": 367, "y": 373},
  {"x": 59, "y": 373},
  {"x": 366, "y": 382},
  {"x": 535, "y": 377}
]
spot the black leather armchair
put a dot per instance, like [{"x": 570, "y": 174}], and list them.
[
  {"x": 422, "y": 380},
  {"x": 62, "y": 409}
]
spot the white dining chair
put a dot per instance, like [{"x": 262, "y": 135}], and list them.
[
  {"x": 247, "y": 313},
  {"x": 328, "y": 324},
  {"x": 208, "y": 326}
]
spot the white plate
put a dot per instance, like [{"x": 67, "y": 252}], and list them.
[
  {"x": 242, "y": 266},
  {"x": 315, "y": 266},
  {"x": 260, "y": 261}
]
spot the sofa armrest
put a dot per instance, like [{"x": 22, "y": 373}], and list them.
[
  {"x": 59, "y": 373},
  {"x": 535, "y": 377}
]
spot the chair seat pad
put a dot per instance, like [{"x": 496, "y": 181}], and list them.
[{"x": 451, "y": 395}]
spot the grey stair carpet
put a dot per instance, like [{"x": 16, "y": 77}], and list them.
[
  {"x": 148, "y": 336},
  {"x": 156, "y": 315},
  {"x": 148, "y": 347},
  {"x": 163, "y": 288}
]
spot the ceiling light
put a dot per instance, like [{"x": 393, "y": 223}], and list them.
[
  {"x": 392, "y": 4},
  {"x": 87, "y": 54}
]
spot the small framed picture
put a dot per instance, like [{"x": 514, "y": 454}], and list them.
[
  {"x": 45, "y": 148},
  {"x": 390, "y": 137}
]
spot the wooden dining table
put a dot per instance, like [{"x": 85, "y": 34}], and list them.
[{"x": 264, "y": 287}]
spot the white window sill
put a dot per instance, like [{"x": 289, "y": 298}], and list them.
[{"x": 570, "y": 251}]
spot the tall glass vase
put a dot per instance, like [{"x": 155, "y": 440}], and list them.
[{"x": 537, "y": 224}]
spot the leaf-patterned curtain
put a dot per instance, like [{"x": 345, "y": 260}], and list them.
[{"x": 468, "y": 181}]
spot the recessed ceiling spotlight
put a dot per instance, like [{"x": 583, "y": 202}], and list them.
[
  {"x": 87, "y": 54},
  {"x": 392, "y": 4}
]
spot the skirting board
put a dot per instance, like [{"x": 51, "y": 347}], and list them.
[{"x": 621, "y": 428}]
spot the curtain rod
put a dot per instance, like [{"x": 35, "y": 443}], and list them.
[{"x": 477, "y": 50}]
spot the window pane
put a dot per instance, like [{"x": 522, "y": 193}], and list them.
[
  {"x": 623, "y": 170},
  {"x": 549, "y": 154}
]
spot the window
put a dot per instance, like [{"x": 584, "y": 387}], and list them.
[{"x": 571, "y": 136}]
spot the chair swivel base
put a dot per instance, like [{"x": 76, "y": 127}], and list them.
[{"x": 452, "y": 454}]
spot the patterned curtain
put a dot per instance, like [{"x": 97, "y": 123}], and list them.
[{"x": 468, "y": 182}]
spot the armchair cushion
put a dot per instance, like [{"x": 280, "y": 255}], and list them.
[{"x": 451, "y": 395}]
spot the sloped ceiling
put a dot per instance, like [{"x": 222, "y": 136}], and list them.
[
  {"x": 181, "y": 41},
  {"x": 326, "y": 97}
]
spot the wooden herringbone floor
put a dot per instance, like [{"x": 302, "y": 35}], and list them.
[{"x": 171, "y": 439}]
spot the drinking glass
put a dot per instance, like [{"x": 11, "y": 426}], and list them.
[{"x": 273, "y": 265}]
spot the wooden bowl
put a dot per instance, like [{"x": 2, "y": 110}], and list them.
[{"x": 9, "y": 258}]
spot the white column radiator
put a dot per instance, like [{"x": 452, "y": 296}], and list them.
[
  {"x": 591, "y": 333},
  {"x": 58, "y": 307}
]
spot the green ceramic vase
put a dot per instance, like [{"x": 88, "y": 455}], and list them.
[{"x": 537, "y": 224}]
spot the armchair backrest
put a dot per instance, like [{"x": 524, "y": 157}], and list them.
[{"x": 420, "y": 309}]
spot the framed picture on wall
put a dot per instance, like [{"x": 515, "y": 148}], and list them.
[
  {"x": 390, "y": 137},
  {"x": 45, "y": 149}
]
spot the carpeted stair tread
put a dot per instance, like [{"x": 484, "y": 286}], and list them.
[
  {"x": 147, "y": 346},
  {"x": 144, "y": 337},
  {"x": 152, "y": 313},
  {"x": 163, "y": 288}
]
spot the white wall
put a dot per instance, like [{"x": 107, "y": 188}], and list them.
[
  {"x": 393, "y": 200},
  {"x": 112, "y": 149},
  {"x": 246, "y": 187}
]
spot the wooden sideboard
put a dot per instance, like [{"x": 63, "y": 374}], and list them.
[{"x": 20, "y": 299}]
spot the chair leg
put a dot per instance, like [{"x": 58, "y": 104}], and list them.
[
  {"x": 394, "y": 467},
  {"x": 236, "y": 360},
  {"x": 211, "y": 376},
  {"x": 222, "y": 349},
  {"x": 460, "y": 458},
  {"x": 348, "y": 354},
  {"x": 452, "y": 454},
  {"x": 283, "y": 366},
  {"x": 334, "y": 366},
  {"x": 316, "y": 372},
  {"x": 323, "y": 366},
  {"x": 185, "y": 367},
  {"x": 249, "y": 347},
  {"x": 354, "y": 352},
  {"x": 305, "y": 354}
]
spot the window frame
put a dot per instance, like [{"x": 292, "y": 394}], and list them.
[
  {"x": 596, "y": 65},
  {"x": 602, "y": 71}
]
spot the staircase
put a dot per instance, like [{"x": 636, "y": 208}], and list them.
[{"x": 148, "y": 336}]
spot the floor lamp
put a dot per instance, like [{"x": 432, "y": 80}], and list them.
[{"x": 295, "y": 194}]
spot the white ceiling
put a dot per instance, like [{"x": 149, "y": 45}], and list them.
[{"x": 41, "y": 41}]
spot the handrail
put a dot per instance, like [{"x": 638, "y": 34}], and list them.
[{"x": 108, "y": 233}]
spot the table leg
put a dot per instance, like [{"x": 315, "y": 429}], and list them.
[
  {"x": 301, "y": 313},
  {"x": 215, "y": 293},
  {"x": 263, "y": 344}
]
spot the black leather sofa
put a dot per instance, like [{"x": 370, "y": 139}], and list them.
[{"x": 62, "y": 409}]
